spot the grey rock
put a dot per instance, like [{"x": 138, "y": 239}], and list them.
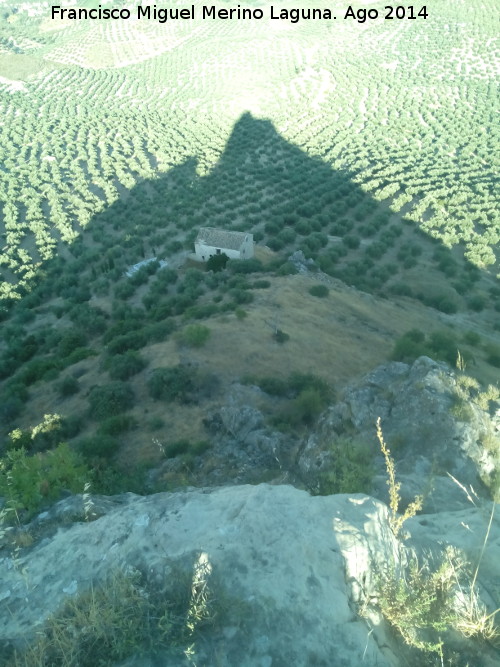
[
  {"x": 416, "y": 406},
  {"x": 301, "y": 264},
  {"x": 302, "y": 565}
]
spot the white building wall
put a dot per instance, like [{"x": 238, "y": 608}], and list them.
[
  {"x": 247, "y": 247},
  {"x": 204, "y": 252}
]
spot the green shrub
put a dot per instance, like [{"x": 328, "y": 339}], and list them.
[
  {"x": 409, "y": 347},
  {"x": 240, "y": 313},
  {"x": 299, "y": 382},
  {"x": 493, "y": 357},
  {"x": 68, "y": 386},
  {"x": 472, "y": 338},
  {"x": 37, "y": 369},
  {"x": 201, "y": 311},
  {"x": 320, "y": 291},
  {"x": 172, "y": 384},
  {"x": 79, "y": 354},
  {"x": 419, "y": 604},
  {"x": 286, "y": 269},
  {"x": 110, "y": 399},
  {"x": 194, "y": 335},
  {"x": 307, "y": 406},
  {"x": 124, "y": 366},
  {"x": 280, "y": 336},
  {"x": 351, "y": 241},
  {"x": 130, "y": 341},
  {"x": 28, "y": 482},
  {"x": 156, "y": 423},
  {"x": 173, "y": 449},
  {"x": 117, "y": 424},
  {"x": 443, "y": 346},
  {"x": 217, "y": 262},
  {"x": 252, "y": 265},
  {"x": 273, "y": 386},
  {"x": 70, "y": 340},
  {"x": 130, "y": 614},
  {"x": 10, "y": 409},
  {"x": 241, "y": 296},
  {"x": 351, "y": 470},
  {"x": 98, "y": 446}
]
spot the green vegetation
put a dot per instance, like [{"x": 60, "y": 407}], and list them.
[
  {"x": 321, "y": 291},
  {"x": 177, "y": 383},
  {"x": 351, "y": 470},
  {"x": 129, "y": 614},
  {"x": 419, "y": 599},
  {"x": 194, "y": 335},
  {"x": 110, "y": 399},
  {"x": 29, "y": 482},
  {"x": 217, "y": 262},
  {"x": 308, "y": 395}
]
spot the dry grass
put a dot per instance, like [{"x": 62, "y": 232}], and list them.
[{"x": 338, "y": 338}]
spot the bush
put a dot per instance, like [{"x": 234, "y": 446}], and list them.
[
  {"x": 176, "y": 448},
  {"x": 351, "y": 471},
  {"x": 10, "y": 409},
  {"x": 110, "y": 399},
  {"x": 217, "y": 262},
  {"x": 400, "y": 289},
  {"x": 280, "y": 336},
  {"x": 351, "y": 241},
  {"x": 273, "y": 386},
  {"x": 406, "y": 348},
  {"x": 299, "y": 382},
  {"x": 37, "y": 369},
  {"x": 472, "y": 338},
  {"x": 124, "y": 366},
  {"x": 443, "y": 346},
  {"x": 320, "y": 291},
  {"x": 172, "y": 384},
  {"x": 194, "y": 335},
  {"x": 129, "y": 614},
  {"x": 68, "y": 386},
  {"x": 117, "y": 424},
  {"x": 476, "y": 303},
  {"x": 27, "y": 482},
  {"x": 286, "y": 269},
  {"x": 252, "y": 265},
  {"x": 98, "y": 446},
  {"x": 241, "y": 296},
  {"x": 493, "y": 355},
  {"x": 307, "y": 406},
  {"x": 130, "y": 341}
]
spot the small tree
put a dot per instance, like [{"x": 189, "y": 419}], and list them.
[
  {"x": 217, "y": 262},
  {"x": 194, "y": 335}
]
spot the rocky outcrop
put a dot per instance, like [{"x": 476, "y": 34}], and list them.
[
  {"x": 429, "y": 436},
  {"x": 301, "y": 264},
  {"x": 303, "y": 567},
  {"x": 243, "y": 445}
]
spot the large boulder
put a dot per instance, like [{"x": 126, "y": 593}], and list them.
[
  {"x": 299, "y": 562},
  {"x": 428, "y": 437},
  {"x": 302, "y": 568}
]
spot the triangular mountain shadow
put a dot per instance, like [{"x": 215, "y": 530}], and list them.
[
  {"x": 85, "y": 308},
  {"x": 288, "y": 200}
]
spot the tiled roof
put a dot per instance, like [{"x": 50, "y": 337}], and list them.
[{"x": 221, "y": 238}]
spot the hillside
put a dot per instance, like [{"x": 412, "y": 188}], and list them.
[{"x": 361, "y": 153}]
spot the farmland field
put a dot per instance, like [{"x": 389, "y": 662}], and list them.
[{"x": 404, "y": 111}]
